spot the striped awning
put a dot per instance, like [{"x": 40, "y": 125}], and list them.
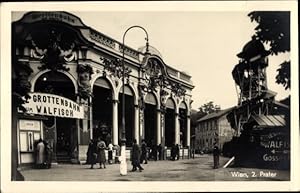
[{"x": 269, "y": 120}]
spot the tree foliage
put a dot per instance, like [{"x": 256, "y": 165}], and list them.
[
  {"x": 274, "y": 29},
  {"x": 208, "y": 108}
]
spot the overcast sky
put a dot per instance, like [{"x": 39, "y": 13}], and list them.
[{"x": 203, "y": 44}]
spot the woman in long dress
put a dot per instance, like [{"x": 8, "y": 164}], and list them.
[
  {"x": 40, "y": 153},
  {"x": 101, "y": 153}
]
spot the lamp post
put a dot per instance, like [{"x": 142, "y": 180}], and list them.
[{"x": 123, "y": 164}]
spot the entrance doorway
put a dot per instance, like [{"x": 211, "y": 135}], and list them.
[
  {"x": 129, "y": 119},
  {"x": 150, "y": 117},
  {"x": 102, "y": 110},
  {"x": 183, "y": 124},
  {"x": 170, "y": 123},
  {"x": 169, "y": 127},
  {"x": 60, "y": 133}
]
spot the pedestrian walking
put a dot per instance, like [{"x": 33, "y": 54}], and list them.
[
  {"x": 153, "y": 153},
  {"x": 93, "y": 153},
  {"x": 118, "y": 153},
  {"x": 40, "y": 154},
  {"x": 159, "y": 149},
  {"x": 48, "y": 155},
  {"x": 173, "y": 152},
  {"x": 135, "y": 157},
  {"x": 216, "y": 153},
  {"x": 101, "y": 153},
  {"x": 144, "y": 152},
  {"x": 110, "y": 153},
  {"x": 177, "y": 149}
]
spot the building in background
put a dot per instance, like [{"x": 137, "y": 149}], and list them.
[
  {"x": 213, "y": 128},
  {"x": 74, "y": 74}
]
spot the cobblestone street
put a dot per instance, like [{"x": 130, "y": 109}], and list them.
[{"x": 198, "y": 169}]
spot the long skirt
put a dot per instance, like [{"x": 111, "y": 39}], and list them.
[{"x": 101, "y": 156}]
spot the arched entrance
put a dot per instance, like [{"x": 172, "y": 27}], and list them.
[
  {"x": 150, "y": 117},
  {"x": 129, "y": 115},
  {"x": 183, "y": 124},
  {"x": 102, "y": 110},
  {"x": 170, "y": 123},
  {"x": 61, "y": 133}
]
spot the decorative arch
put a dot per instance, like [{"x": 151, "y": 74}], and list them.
[
  {"x": 112, "y": 85},
  {"x": 160, "y": 62},
  {"x": 183, "y": 105},
  {"x": 132, "y": 88},
  {"x": 170, "y": 103},
  {"x": 39, "y": 74},
  {"x": 155, "y": 97}
]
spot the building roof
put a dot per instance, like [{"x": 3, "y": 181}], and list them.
[
  {"x": 269, "y": 120},
  {"x": 281, "y": 104},
  {"x": 215, "y": 114}
]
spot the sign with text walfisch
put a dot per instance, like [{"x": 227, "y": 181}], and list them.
[{"x": 53, "y": 105}]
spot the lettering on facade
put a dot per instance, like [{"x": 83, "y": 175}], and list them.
[
  {"x": 53, "y": 16},
  {"x": 276, "y": 147},
  {"x": 53, "y": 105}
]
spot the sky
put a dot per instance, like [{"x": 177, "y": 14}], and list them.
[{"x": 203, "y": 44}]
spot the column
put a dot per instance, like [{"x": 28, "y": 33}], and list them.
[
  {"x": 177, "y": 129},
  {"x": 91, "y": 117},
  {"x": 136, "y": 123},
  {"x": 188, "y": 131},
  {"x": 158, "y": 127},
  {"x": 141, "y": 124},
  {"x": 115, "y": 131},
  {"x": 162, "y": 126}
]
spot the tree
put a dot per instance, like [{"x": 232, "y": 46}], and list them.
[
  {"x": 274, "y": 29},
  {"x": 208, "y": 108}
]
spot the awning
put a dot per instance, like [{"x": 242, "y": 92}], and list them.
[{"x": 269, "y": 120}]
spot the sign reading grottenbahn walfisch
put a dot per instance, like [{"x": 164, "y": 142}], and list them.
[{"x": 53, "y": 105}]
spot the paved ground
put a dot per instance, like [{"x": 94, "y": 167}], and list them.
[{"x": 198, "y": 169}]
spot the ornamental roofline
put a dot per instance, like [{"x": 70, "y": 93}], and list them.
[{"x": 101, "y": 40}]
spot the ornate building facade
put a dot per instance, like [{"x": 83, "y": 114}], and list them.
[{"x": 74, "y": 74}]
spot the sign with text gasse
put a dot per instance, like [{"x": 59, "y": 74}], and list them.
[{"x": 53, "y": 105}]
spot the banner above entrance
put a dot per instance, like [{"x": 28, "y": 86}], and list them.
[{"x": 53, "y": 105}]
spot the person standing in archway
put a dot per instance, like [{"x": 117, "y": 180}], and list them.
[
  {"x": 144, "y": 152},
  {"x": 101, "y": 153}
]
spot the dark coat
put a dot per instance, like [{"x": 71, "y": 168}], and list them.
[
  {"x": 92, "y": 153},
  {"x": 216, "y": 151},
  {"x": 135, "y": 155}
]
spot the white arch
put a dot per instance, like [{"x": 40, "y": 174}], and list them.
[
  {"x": 156, "y": 98},
  {"x": 135, "y": 92},
  {"x": 173, "y": 101},
  {"x": 39, "y": 74},
  {"x": 112, "y": 85}
]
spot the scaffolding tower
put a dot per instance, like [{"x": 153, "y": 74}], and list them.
[{"x": 250, "y": 78}]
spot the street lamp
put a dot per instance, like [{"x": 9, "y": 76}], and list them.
[{"x": 123, "y": 164}]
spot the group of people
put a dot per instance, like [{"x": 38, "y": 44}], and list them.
[
  {"x": 43, "y": 154},
  {"x": 96, "y": 153}
]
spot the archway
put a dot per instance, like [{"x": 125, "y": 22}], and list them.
[
  {"x": 170, "y": 123},
  {"x": 129, "y": 115},
  {"x": 183, "y": 123},
  {"x": 150, "y": 117},
  {"x": 102, "y": 110},
  {"x": 61, "y": 133}
]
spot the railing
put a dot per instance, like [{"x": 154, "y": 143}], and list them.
[{"x": 102, "y": 39}]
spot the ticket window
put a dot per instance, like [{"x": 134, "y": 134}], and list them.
[{"x": 29, "y": 134}]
